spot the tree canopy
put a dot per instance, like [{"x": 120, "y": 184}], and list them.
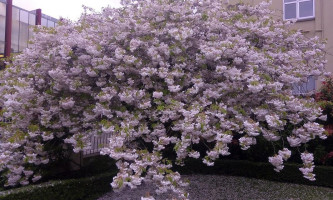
[{"x": 158, "y": 74}]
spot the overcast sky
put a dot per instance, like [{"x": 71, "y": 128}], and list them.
[{"x": 70, "y": 9}]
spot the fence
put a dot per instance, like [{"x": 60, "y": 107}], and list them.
[{"x": 97, "y": 142}]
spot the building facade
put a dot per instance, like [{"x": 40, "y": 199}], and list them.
[
  {"x": 314, "y": 18},
  {"x": 17, "y": 26}
]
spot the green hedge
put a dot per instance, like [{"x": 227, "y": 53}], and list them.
[
  {"x": 72, "y": 189},
  {"x": 90, "y": 166},
  {"x": 260, "y": 170},
  {"x": 93, "y": 187}
]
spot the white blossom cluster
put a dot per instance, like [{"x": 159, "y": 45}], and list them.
[
  {"x": 155, "y": 74},
  {"x": 308, "y": 166},
  {"x": 277, "y": 160}
]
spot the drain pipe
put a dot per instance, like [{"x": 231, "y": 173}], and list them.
[{"x": 8, "y": 29}]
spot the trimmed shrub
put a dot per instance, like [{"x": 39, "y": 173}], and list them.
[
  {"x": 260, "y": 170},
  {"x": 72, "y": 189},
  {"x": 90, "y": 166}
]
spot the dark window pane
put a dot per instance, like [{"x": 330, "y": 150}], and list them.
[
  {"x": 290, "y": 11},
  {"x": 287, "y": 1},
  {"x": 306, "y": 9}
]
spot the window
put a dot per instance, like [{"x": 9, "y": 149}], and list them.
[
  {"x": 50, "y": 23},
  {"x": 44, "y": 21},
  {"x": 2, "y": 28},
  {"x": 305, "y": 87},
  {"x": 298, "y": 9},
  {"x": 15, "y": 30},
  {"x": 24, "y": 30}
]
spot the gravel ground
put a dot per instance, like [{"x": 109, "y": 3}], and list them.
[{"x": 216, "y": 187}]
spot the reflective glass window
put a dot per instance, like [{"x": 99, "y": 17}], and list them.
[
  {"x": 290, "y": 11},
  {"x": 306, "y": 9},
  {"x": 44, "y": 22},
  {"x": 2, "y": 27},
  {"x": 299, "y": 9},
  {"x": 32, "y": 19},
  {"x": 24, "y": 16},
  {"x": 24, "y": 30},
  {"x": 50, "y": 23},
  {"x": 303, "y": 88},
  {"x": 32, "y": 22},
  {"x": 15, "y": 30}
]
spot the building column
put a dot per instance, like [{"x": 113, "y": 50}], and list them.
[
  {"x": 39, "y": 17},
  {"x": 8, "y": 31}
]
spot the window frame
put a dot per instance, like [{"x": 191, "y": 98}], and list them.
[{"x": 298, "y": 18}]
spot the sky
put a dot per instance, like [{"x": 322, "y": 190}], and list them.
[{"x": 70, "y": 9}]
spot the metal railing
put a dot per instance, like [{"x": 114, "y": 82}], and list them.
[{"x": 97, "y": 142}]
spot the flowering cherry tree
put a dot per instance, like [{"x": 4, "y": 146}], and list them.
[{"x": 158, "y": 73}]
